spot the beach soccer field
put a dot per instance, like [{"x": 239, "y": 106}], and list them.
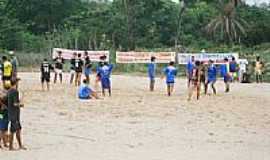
[{"x": 135, "y": 124}]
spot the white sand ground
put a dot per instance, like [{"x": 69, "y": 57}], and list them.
[{"x": 135, "y": 124}]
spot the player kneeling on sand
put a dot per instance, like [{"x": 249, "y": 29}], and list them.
[{"x": 85, "y": 92}]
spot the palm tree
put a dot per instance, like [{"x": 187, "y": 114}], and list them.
[{"x": 228, "y": 24}]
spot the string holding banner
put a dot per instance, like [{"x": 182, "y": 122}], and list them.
[
  {"x": 144, "y": 57},
  {"x": 93, "y": 55}
]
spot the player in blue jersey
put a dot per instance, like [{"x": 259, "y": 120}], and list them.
[
  {"x": 85, "y": 92},
  {"x": 170, "y": 73},
  {"x": 234, "y": 69},
  {"x": 105, "y": 74},
  {"x": 224, "y": 71},
  {"x": 211, "y": 77},
  {"x": 152, "y": 73},
  {"x": 189, "y": 67}
]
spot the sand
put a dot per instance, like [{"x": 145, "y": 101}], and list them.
[{"x": 135, "y": 124}]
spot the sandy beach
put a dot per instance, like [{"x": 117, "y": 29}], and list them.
[{"x": 135, "y": 124}]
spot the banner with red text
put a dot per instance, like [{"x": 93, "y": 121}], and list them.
[
  {"x": 68, "y": 54},
  {"x": 144, "y": 57}
]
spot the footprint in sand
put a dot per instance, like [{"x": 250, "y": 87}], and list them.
[{"x": 211, "y": 134}]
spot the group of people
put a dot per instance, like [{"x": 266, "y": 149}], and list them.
[
  {"x": 79, "y": 65},
  {"x": 202, "y": 74},
  {"x": 10, "y": 104}
]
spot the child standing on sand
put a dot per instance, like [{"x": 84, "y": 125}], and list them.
[
  {"x": 152, "y": 73},
  {"x": 170, "y": 73},
  {"x": 14, "y": 106}
]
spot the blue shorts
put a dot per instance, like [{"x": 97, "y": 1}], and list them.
[
  {"x": 87, "y": 72},
  {"x": 227, "y": 78},
  {"x": 4, "y": 124},
  {"x": 105, "y": 83},
  {"x": 169, "y": 84},
  {"x": 152, "y": 79},
  {"x": 210, "y": 80}
]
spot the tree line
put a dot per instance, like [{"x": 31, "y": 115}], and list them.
[{"x": 38, "y": 25}]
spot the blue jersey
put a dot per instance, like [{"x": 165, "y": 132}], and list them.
[
  {"x": 151, "y": 70},
  {"x": 105, "y": 74},
  {"x": 190, "y": 67},
  {"x": 233, "y": 66},
  {"x": 170, "y": 73},
  {"x": 212, "y": 73},
  {"x": 223, "y": 70},
  {"x": 84, "y": 92}
]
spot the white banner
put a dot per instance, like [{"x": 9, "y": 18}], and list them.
[
  {"x": 93, "y": 55},
  {"x": 144, "y": 57},
  {"x": 218, "y": 58}
]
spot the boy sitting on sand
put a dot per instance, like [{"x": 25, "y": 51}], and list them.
[
  {"x": 14, "y": 106},
  {"x": 170, "y": 73},
  {"x": 85, "y": 92},
  {"x": 105, "y": 75}
]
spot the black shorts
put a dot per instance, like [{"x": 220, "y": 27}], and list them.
[
  {"x": 6, "y": 78},
  {"x": 15, "y": 126},
  {"x": 45, "y": 78},
  {"x": 202, "y": 79}
]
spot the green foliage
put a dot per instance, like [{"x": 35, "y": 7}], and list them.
[{"x": 32, "y": 27}]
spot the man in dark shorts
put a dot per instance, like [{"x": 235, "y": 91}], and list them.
[
  {"x": 45, "y": 69},
  {"x": 14, "y": 106},
  {"x": 195, "y": 79},
  {"x": 189, "y": 67},
  {"x": 203, "y": 74},
  {"x": 87, "y": 66},
  {"x": 59, "y": 65},
  {"x": 72, "y": 67},
  {"x": 78, "y": 70}
]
